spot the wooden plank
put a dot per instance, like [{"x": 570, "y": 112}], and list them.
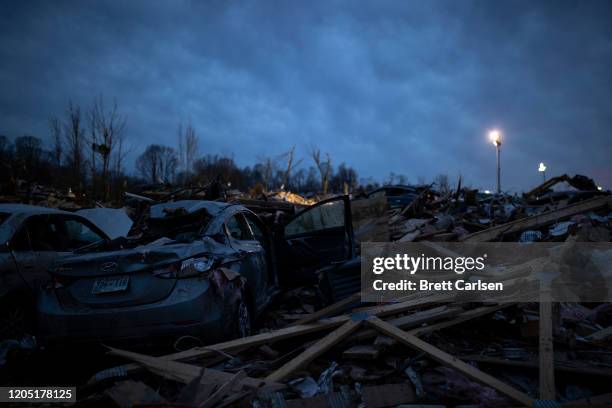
[
  {"x": 314, "y": 351},
  {"x": 223, "y": 390},
  {"x": 412, "y": 320},
  {"x": 560, "y": 366},
  {"x": 538, "y": 220},
  {"x": 333, "y": 308},
  {"x": 184, "y": 373},
  {"x": 464, "y": 317},
  {"x": 286, "y": 333},
  {"x": 447, "y": 359},
  {"x": 545, "y": 351}
]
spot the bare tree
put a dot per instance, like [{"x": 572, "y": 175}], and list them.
[
  {"x": 325, "y": 168},
  {"x": 107, "y": 127},
  {"x": 442, "y": 184},
  {"x": 290, "y": 166},
  {"x": 158, "y": 164},
  {"x": 56, "y": 133},
  {"x": 191, "y": 147},
  {"x": 74, "y": 136}
]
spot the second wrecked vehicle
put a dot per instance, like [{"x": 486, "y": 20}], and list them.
[{"x": 202, "y": 268}]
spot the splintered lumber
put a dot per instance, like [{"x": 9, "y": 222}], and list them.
[
  {"x": 584, "y": 369},
  {"x": 333, "y": 308},
  {"x": 538, "y": 220},
  {"x": 412, "y": 320},
  {"x": 185, "y": 373},
  {"x": 547, "y": 363},
  {"x": 288, "y": 332},
  {"x": 463, "y": 317},
  {"x": 447, "y": 359},
  {"x": 223, "y": 390},
  {"x": 293, "y": 331},
  {"x": 314, "y": 351}
]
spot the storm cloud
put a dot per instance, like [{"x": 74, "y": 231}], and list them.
[{"x": 409, "y": 87}]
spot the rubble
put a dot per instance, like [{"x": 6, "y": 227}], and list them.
[{"x": 419, "y": 351}]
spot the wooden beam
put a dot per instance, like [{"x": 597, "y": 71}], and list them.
[
  {"x": 286, "y": 332},
  {"x": 185, "y": 373},
  {"x": 223, "y": 390},
  {"x": 538, "y": 220},
  {"x": 413, "y": 320},
  {"x": 314, "y": 351},
  {"x": 333, "y": 308},
  {"x": 560, "y": 366},
  {"x": 464, "y": 317},
  {"x": 447, "y": 359}
]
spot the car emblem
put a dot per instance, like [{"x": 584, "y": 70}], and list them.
[{"x": 109, "y": 267}]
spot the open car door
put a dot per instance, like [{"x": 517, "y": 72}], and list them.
[{"x": 315, "y": 237}]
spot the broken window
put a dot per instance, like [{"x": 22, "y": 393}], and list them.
[
  {"x": 321, "y": 217},
  {"x": 237, "y": 228},
  {"x": 257, "y": 231},
  {"x": 78, "y": 234},
  {"x": 183, "y": 227}
]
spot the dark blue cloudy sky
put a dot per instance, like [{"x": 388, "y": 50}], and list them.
[{"x": 408, "y": 87}]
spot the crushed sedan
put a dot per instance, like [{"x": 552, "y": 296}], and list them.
[{"x": 200, "y": 268}]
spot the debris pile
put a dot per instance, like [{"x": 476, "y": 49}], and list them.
[
  {"x": 421, "y": 349},
  {"x": 314, "y": 350}
]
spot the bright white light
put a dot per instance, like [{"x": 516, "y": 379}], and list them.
[
  {"x": 487, "y": 191},
  {"x": 542, "y": 167},
  {"x": 599, "y": 188},
  {"x": 495, "y": 137}
]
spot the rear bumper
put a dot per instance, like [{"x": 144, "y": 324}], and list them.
[{"x": 192, "y": 308}]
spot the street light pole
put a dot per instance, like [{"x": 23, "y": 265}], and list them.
[
  {"x": 495, "y": 137},
  {"x": 498, "y": 170}
]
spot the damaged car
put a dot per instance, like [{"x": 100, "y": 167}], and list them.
[
  {"x": 31, "y": 239},
  {"x": 201, "y": 268}
]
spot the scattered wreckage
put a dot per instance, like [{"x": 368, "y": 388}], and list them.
[{"x": 317, "y": 345}]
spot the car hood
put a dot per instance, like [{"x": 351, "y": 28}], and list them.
[{"x": 156, "y": 254}]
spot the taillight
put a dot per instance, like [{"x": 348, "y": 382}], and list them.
[{"x": 185, "y": 269}]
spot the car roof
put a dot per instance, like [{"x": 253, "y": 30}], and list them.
[
  {"x": 18, "y": 213},
  {"x": 212, "y": 207},
  {"x": 29, "y": 209}
]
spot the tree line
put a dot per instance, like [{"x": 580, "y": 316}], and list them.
[{"x": 87, "y": 153}]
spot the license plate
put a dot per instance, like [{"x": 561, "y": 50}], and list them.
[{"x": 110, "y": 284}]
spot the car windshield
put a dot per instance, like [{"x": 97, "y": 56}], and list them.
[
  {"x": 4, "y": 217},
  {"x": 179, "y": 227}
]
